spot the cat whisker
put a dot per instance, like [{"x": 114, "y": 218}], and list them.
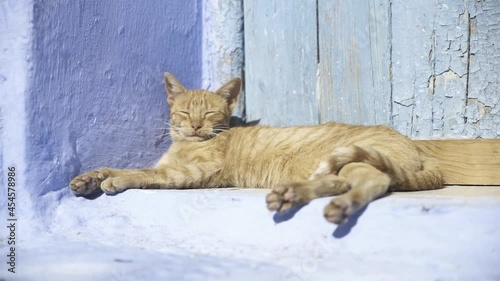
[
  {"x": 218, "y": 131},
  {"x": 166, "y": 129},
  {"x": 214, "y": 135},
  {"x": 166, "y": 136},
  {"x": 160, "y": 119},
  {"x": 166, "y": 133},
  {"x": 170, "y": 126},
  {"x": 222, "y": 127},
  {"x": 165, "y": 122}
]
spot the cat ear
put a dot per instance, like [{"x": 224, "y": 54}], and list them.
[
  {"x": 230, "y": 91},
  {"x": 173, "y": 86}
]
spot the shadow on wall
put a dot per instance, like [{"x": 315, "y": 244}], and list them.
[
  {"x": 237, "y": 121},
  {"x": 96, "y": 96}
]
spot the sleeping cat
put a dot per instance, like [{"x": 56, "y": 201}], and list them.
[{"x": 358, "y": 163}]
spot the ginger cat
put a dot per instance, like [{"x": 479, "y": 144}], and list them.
[{"x": 358, "y": 163}]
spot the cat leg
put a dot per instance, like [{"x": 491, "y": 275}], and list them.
[
  {"x": 335, "y": 161},
  {"x": 87, "y": 183},
  {"x": 136, "y": 179},
  {"x": 285, "y": 196},
  {"x": 367, "y": 183},
  {"x": 116, "y": 180}
]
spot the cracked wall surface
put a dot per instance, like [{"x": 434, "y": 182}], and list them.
[
  {"x": 483, "y": 107},
  {"x": 428, "y": 68},
  {"x": 432, "y": 93},
  {"x": 223, "y": 46}
]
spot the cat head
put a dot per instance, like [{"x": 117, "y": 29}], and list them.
[{"x": 198, "y": 115}]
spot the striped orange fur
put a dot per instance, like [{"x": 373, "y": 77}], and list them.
[{"x": 358, "y": 163}]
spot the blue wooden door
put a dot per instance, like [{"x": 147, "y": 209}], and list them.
[{"x": 427, "y": 68}]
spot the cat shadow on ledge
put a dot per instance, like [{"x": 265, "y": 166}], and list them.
[
  {"x": 98, "y": 193},
  {"x": 344, "y": 229},
  {"x": 340, "y": 232},
  {"x": 92, "y": 196},
  {"x": 288, "y": 214}
]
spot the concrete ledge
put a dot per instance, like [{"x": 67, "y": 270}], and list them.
[
  {"x": 449, "y": 234},
  {"x": 456, "y": 191}
]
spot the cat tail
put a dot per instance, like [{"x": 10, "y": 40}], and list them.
[{"x": 428, "y": 178}]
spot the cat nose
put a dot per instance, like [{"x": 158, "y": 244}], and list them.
[{"x": 195, "y": 126}]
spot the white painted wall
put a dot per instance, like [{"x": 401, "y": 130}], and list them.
[{"x": 15, "y": 64}]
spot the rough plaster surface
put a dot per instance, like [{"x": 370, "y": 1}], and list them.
[
  {"x": 97, "y": 97},
  {"x": 228, "y": 234},
  {"x": 15, "y": 55},
  {"x": 222, "y": 52},
  {"x": 81, "y": 86}
]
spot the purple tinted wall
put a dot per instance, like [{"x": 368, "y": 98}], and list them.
[{"x": 97, "y": 96}]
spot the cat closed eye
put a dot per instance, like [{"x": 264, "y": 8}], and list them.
[{"x": 210, "y": 113}]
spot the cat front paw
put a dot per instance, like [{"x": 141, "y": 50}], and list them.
[
  {"x": 339, "y": 210},
  {"x": 87, "y": 183},
  {"x": 283, "y": 197},
  {"x": 114, "y": 185}
]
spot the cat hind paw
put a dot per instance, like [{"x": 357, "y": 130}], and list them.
[
  {"x": 338, "y": 211},
  {"x": 284, "y": 197}
]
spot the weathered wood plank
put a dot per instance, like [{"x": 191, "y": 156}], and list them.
[
  {"x": 429, "y": 40},
  {"x": 465, "y": 162},
  {"x": 483, "y": 100},
  {"x": 428, "y": 68},
  {"x": 449, "y": 58},
  {"x": 281, "y": 61},
  {"x": 354, "y": 52},
  {"x": 446, "y": 60}
]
